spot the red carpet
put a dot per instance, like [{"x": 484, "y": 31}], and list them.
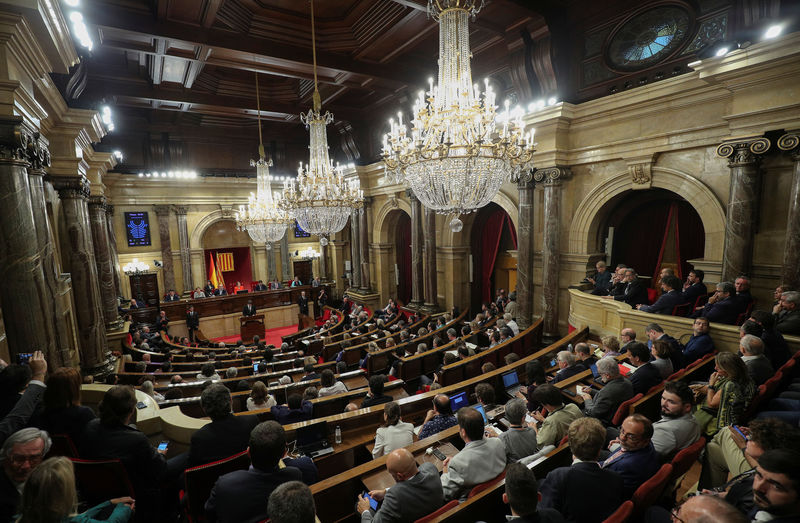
[{"x": 273, "y": 336}]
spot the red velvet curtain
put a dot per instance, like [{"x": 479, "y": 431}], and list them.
[
  {"x": 490, "y": 243},
  {"x": 242, "y": 267},
  {"x": 403, "y": 258}
]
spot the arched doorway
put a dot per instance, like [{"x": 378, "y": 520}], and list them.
[
  {"x": 653, "y": 229},
  {"x": 229, "y": 251},
  {"x": 493, "y": 267},
  {"x": 402, "y": 251}
]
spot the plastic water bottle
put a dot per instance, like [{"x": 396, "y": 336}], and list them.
[
  {"x": 338, "y": 435},
  {"x": 569, "y": 348}
]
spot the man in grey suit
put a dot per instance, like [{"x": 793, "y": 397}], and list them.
[
  {"x": 603, "y": 404},
  {"x": 758, "y": 366},
  {"x": 417, "y": 493},
  {"x": 480, "y": 460}
]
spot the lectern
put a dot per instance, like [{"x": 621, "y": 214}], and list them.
[
  {"x": 304, "y": 321},
  {"x": 251, "y": 326}
]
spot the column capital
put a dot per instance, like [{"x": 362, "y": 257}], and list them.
[
  {"x": 98, "y": 201},
  {"x": 180, "y": 210},
  {"x": 552, "y": 175},
  {"x": 790, "y": 142},
  {"x": 525, "y": 180},
  {"x": 17, "y": 140},
  {"x": 71, "y": 187},
  {"x": 743, "y": 151},
  {"x": 162, "y": 210},
  {"x": 410, "y": 195}
]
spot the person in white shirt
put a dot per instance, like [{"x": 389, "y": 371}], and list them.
[
  {"x": 330, "y": 385},
  {"x": 395, "y": 434},
  {"x": 259, "y": 398},
  {"x": 511, "y": 323}
]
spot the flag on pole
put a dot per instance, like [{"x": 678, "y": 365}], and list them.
[{"x": 213, "y": 274}]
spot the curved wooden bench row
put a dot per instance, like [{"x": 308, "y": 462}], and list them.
[{"x": 334, "y": 346}]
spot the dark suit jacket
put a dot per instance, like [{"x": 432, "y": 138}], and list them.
[
  {"x": 69, "y": 420},
  {"x": 694, "y": 291},
  {"x": 220, "y": 439},
  {"x": 723, "y": 311},
  {"x": 369, "y": 401},
  {"x": 411, "y": 499},
  {"x": 220, "y": 291},
  {"x": 303, "y": 304},
  {"x": 209, "y": 290},
  {"x": 143, "y": 464},
  {"x": 635, "y": 293},
  {"x": 696, "y": 348},
  {"x": 635, "y": 467},
  {"x": 570, "y": 371},
  {"x": 743, "y": 300},
  {"x": 582, "y": 493},
  {"x": 788, "y": 322},
  {"x": 645, "y": 377},
  {"x": 775, "y": 348},
  {"x": 305, "y": 465},
  {"x": 192, "y": 320},
  {"x": 760, "y": 369},
  {"x": 284, "y": 415},
  {"x": 241, "y": 496},
  {"x": 602, "y": 281},
  {"x": 249, "y": 310},
  {"x": 665, "y": 303},
  {"x": 604, "y": 404},
  {"x": 260, "y": 287},
  {"x": 9, "y": 498},
  {"x": 175, "y": 297},
  {"x": 21, "y": 411}
]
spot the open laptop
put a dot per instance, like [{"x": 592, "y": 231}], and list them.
[
  {"x": 511, "y": 383},
  {"x": 458, "y": 400},
  {"x": 312, "y": 440}
]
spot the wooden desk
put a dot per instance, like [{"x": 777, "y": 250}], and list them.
[
  {"x": 217, "y": 305},
  {"x": 381, "y": 479}
]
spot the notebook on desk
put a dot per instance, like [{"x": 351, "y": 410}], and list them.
[
  {"x": 511, "y": 383},
  {"x": 312, "y": 440}
]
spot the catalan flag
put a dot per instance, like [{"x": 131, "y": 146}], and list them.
[{"x": 225, "y": 261}]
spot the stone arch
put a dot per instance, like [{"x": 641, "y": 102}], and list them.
[
  {"x": 453, "y": 239},
  {"x": 196, "y": 238},
  {"x": 589, "y": 214},
  {"x": 383, "y": 219}
]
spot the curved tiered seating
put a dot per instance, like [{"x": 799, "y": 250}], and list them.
[
  {"x": 433, "y": 515},
  {"x": 101, "y": 480}
]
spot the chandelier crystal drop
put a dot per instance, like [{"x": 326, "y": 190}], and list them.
[
  {"x": 265, "y": 219},
  {"x": 322, "y": 199},
  {"x": 459, "y": 150}
]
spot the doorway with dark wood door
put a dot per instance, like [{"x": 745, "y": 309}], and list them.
[{"x": 303, "y": 270}]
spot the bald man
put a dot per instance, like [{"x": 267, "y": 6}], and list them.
[
  {"x": 418, "y": 491},
  {"x": 707, "y": 509}
]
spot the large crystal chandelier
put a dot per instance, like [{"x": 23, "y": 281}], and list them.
[
  {"x": 264, "y": 218},
  {"x": 459, "y": 150},
  {"x": 322, "y": 199}
]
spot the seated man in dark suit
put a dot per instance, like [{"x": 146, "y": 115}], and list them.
[
  {"x": 310, "y": 373},
  {"x": 670, "y": 285},
  {"x": 634, "y": 291},
  {"x": 758, "y": 366},
  {"x": 722, "y": 307},
  {"x": 694, "y": 286},
  {"x": 743, "y": 297},
  {"x": 296, "y": 410},
  {"x": 416, "y": 493},
  {"x": 242, "y": 495},
  {"x": 220, "y": 291},
  {"x": 646, "y": 374},
  {"x": 172, "y": 296},
  {"x": 569, "y": 366},
  {"x": 775, "y": 347},
  {"x": 699, "y": 344},
  {"x": 655, "y": 332},
  {"x": 603, "y": 404},
  {"x": 111, "y": 437},
  {"x": 787, "y": 319},
  {"x": 260, "y": 286},
  {"x": 226, "y": 435},
  {"x": 636, "y": 460},
  {"x": 601, "y": 280},
  {"x": 583, "y": 492},
  {"x": 375, "y": 396},
  {"x": 519, "y": 495}
]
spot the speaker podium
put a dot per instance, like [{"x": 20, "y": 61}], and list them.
[{"x": 250, "y": 326}]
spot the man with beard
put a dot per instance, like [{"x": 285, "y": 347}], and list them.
[
  {"x": 677, "y": 428},
  {"x": 776, "y": 487},
  {"x": 700, "y": 343}
]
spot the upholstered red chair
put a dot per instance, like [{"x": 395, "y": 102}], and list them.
[
  {"x": 200, "y": 480},
  {"x": 685, "y": 458},
  {"x": 650, "y": 491},
  {"x": 62, "y": 446},
  {"x": 100, "y": 480},
  {"x": 683, "y": 309},
  {"x": 477, "y": 489},
  {"x": 652, "y": 294},
  {"x": 624, "y": 409},
  {"x": 434, "y": 515},
  {"x": 622, "y": 514}
]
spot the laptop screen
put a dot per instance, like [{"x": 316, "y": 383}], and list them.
[
  {"x": 479, "y": 408},
  {"x": 312, "y": 434},
  {"x": 510, "y": 379},
  {"x": 458, "y": 400}
]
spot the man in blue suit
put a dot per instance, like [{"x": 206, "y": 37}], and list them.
[
  {"x": 601, "y": 280},
  {"x": 699, "y": 344},
  {"x": 694, "y": 286},
  {"x": 722, "y": 307},
  {"x": 668, "y": 300},
  {"x": 636, "y": 460}
]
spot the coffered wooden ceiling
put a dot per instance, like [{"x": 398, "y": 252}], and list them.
[{"x": 184, "y": 69}]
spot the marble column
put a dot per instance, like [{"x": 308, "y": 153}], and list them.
[
  {"x": 525, "y": 252},
  {"x": 286, "y": 264},
  {"x": 102, "y": 256},
  {"x": 323, "y": 262},
  {"x": 272, "y": 273},
  {"x": 112, "y": 243},
  {"x": 363, "y": 248},
  {"x": 743, "y": 156},
  {"x": 431, "y": 291},
  {"x": 355, "y": 250},
  {"x": 551, "y": 179},
  {"x": 417, "y": 275},
  {"x": 183, "y": 241},
  {"x": 167, "y": 269},
  {"x": 58, "y": 350},
  {"x": 74, "y": 191},
  {"x": 24, "y": 292},
  {"x": 790, "y": 274}
]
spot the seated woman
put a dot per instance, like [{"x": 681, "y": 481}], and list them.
[
  {"x": 394, "y": 434},
  {"x": 54, "y": 481},
  {"x": 727, "y": 395},
  {"x": 238, "y": 287},
  {"x": 259, "y": 398},
  {"x": 207, "y": 372},
  {"x": 609, "y": 346},
  {"x": 330, "y": 385},
  {"x": 63, "y": 412},
  {"x": 661, "y": 353}
]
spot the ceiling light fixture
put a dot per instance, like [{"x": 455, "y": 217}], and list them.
[
  {"x": 773, "y": 31},
  {"x": 456, "y": 155},
  {"x": 322, "y": 199}
]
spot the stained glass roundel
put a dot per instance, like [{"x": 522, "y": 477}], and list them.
[{"x": 648, "y": 38}]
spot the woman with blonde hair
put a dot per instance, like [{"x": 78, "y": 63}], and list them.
[
  {"x": 727, "y": 395},
  {"x": 50, "y": 496},
  {"x": 610, "y": 346},
  {"x": 259, "y": 398}
]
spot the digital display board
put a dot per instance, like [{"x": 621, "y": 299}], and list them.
[
  {"x": 298, "y": 232},
  {"x": 137, "y": 225}
]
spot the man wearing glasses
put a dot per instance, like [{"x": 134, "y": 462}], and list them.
[
  {"x": 636, "y": 460},
  {"x": 21, "y": 453}
]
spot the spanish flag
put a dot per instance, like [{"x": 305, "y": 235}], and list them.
[{"x": 213, "y": 274}]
